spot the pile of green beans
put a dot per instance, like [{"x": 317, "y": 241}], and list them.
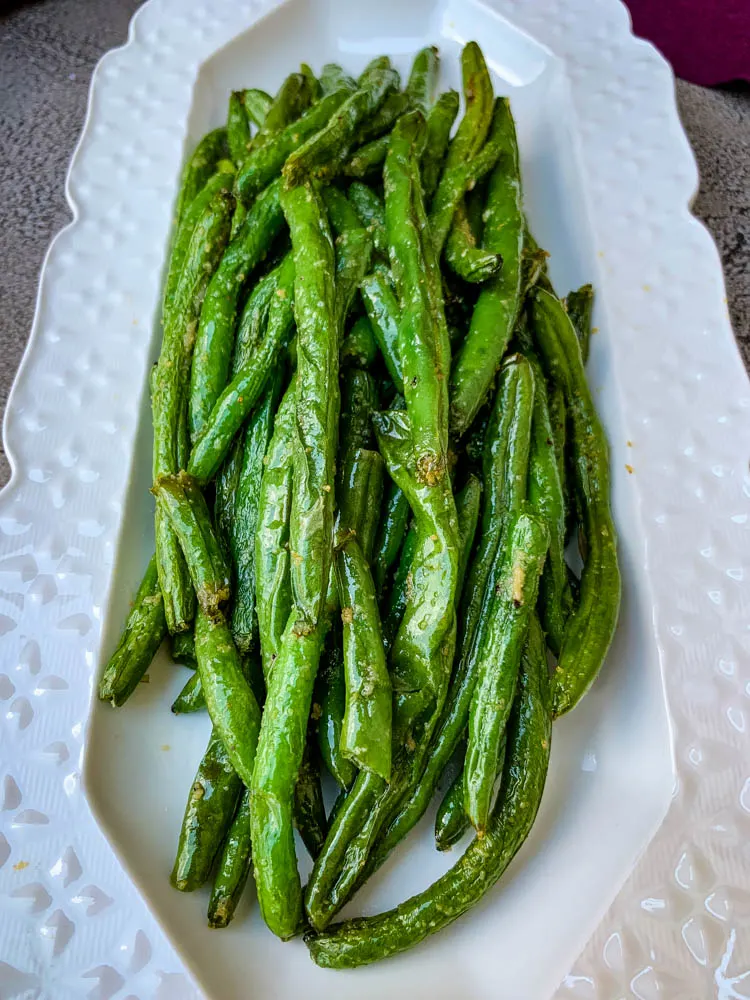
[{"x": 373, "y": 437}]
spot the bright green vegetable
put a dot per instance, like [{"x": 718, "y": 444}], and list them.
[
  {"x": 214, "y": 342},
  {"x": 390, "y": 535},
  {"x": 294, "y": 96},
  {"x": 320, "y": 155},
  {"x": 546, "y": 498},
  {"x": 234, "y": 867},
  {"x": 233, "y": 707},
  {"x": 190, "y": 699},
  {"x": 333, "y": 78},
  {"x": 580, "y": 306},
  {"x": 313, "y": 83},
  {"x": 422, "y": 343},
  {"x": 367, "y": 159},
  {"x": 360, "y": 347},
  {"x": 245, "y": 516},
  {"x": 273, "y": 589},
  {"x": 257, "y": 105},
  {"x": 267, "y": 159},
  {"x": 183, "y": 649},
  {"x": 237, "y": 401},
  {"x": 222, "y": 180},
  {"x": 212, "y": 148},
  {"x": 280, "y": 749},
  {"x": 510, "y": 608},
  {"x": 469, "y": 261},
  {"x": 451, "y": 822},
  {"x": 384, "y": 314},
  {"x": 144, "y": 632},
  {"x": 440, "y": 121},
  {"x": 495, "y": 312},
  {"x": 420, "y": 88},
  {"x": 401, "y": 589},
  {"x": 366, "y": 727},
  {"x": 459, "y": 171},
  {"x": 317, "y": 408},
  {"x": 371, "y": 211},
  {"x": 592, "y": 622},
  {"x": 368, "y": 939},
  {"x": 209, "y": 810},
  {"x": 238, "y": 128},
  {"x": 309, "y": 808},
  {"x": 332, "y": 701},
  {"x": 190, "y": 520},
  {"x": 378, "y": 125}
]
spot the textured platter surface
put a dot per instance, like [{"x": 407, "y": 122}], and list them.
[{"x": 608, "y": 176}]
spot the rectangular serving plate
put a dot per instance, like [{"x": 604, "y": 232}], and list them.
[{"x": 611, "y": 773}]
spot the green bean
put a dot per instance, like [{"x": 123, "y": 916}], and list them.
[
  {"x": 360, "y": 348},
  {"x": 368, "y": 939},
  {"x": 396, "y": 103},
  {"x": 495, "y": 312},
  {"x": 366, "y": 731},
  {"x": 321, "y": 152},
  {"x": 208, "y": 813},
  {"x": 459, "y": 170},
  {"x": 420, "y": 88},
  {"x": 280, "y": 749},
  {"x": 390, "y": 535},
  {"x": 558, "y": 422},
  {"x": 229, "y": 698},
  {"x": 580, "y": 305},
  {"x": 168, "y": 397},
  {"x": 341, "y": 213},
  {"x": 451, "y": 822},
  {"x": 190, "y": 520},
  {"x": 317, "y": 409},
  {"x": 505, "y": 465},
  {"x": 353, "y": 259},
  {"x": 221, "y": 181},
  {"x": 309, "y": 808},
  {"x": 257, "y": 105},
  {"x": 511, "y": 606},
  {"x": 245, "y": 520},
  {"x": 252, "y": 323},
  {"x": 371, "y": 211},
  {"x": 358, "y": 401},
  {"x": 384, "y": 315},
  {"x": 420, "y": 666},
  {"x": 332, "y": 700},
  {"x": 294, "y": 96},
  {"x": 592, "y": 622},
  {"x": 468, "y": 503},
  {"x": 421, "y": 344},
  {"x": 316, "y": 91},
  {"x": 546, "y": 498},
  {"x": 272, "y": 579},
  {"x": 212, "y": 148},
  {"x": 376, "y": 65},
  {"x": 183, "y": 649},
  {"x": 333, "y": 78},
  {"x": 401, "y": 589},
  {"x": 466, "y": 259},
  {"x": 234, "y": 867},
  {"x": 439, "y": 124},
  {"x": 191, "y": 698},
  {"x": 144, "y": 632},
  {"x": 215, "y": 338},
  {"x": 266, "y": 160},
  {"x": 238, "y": 128},
  {"x": 367, "y": 159},
  {"x": 239, "y": 398}
]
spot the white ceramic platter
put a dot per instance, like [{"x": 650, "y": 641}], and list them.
[{"x": 608, "y": 176}]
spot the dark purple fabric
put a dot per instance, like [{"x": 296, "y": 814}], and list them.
[{"x": 707, "y": 41}]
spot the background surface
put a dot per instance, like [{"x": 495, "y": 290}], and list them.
[{"x": 48, "y": 51}]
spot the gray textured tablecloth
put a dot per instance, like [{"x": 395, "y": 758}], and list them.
[{"x": 48, "y": 50}]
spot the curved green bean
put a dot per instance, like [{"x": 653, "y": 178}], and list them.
[
  {"x": 495, "y": 312},
  {"x": 238, "y": 128},
  {"x": 144, "y": 632},
  {"x": 214, "y": 342},
  {"x": 208, "y": 813},
  {"x": 384, "y": 314},
  {"x": 451, "y": 821},
  {"x": 234, "y": 867},
  {"x": 422, "y": 82},
  {"x": 332, "y": 700},
  {"x": 469, "y": 261},
  {"x": 580, "y": 306},
  {"x": 360, "y": 348},
  {"x": 440, "y": 121},
  {"x": 592, "y": 622},
  {"x": 202, "y": 163},
  {"x": 309, "y": 808},
  {"x": 257, "y": 105},
  {"x": 371, "y": 211},
  {"x": 191, "y": 698}
]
